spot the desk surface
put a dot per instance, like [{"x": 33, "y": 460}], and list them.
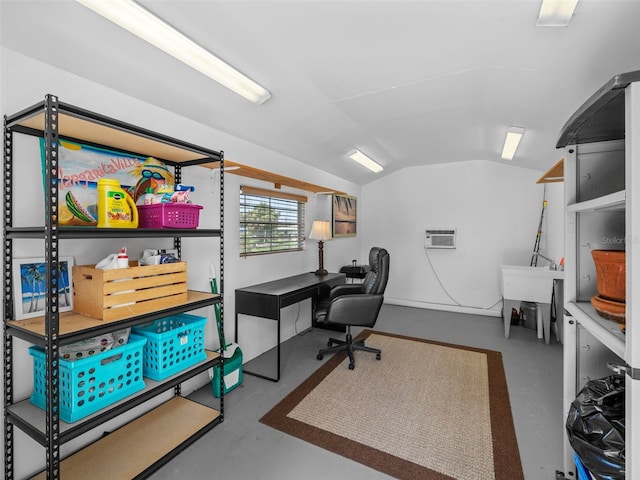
[
  {"x": 266, "y": 299},
  {"x": 287, "y": 285}
]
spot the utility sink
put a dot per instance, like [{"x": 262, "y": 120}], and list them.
[{"x": 529, "y": 284}]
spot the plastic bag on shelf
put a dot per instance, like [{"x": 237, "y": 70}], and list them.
[
  {"x": 596, "y": 427},
  {"x": 98, "y": 344}
]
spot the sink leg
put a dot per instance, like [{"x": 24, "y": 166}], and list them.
[
  {"x": 507, "y": 305},
  {"x": 546, "y": 320}
]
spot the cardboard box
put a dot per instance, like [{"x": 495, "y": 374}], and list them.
[{"x": 111, "y": 295}]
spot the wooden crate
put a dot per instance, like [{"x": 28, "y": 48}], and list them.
[{"x": 119, "y": 293}]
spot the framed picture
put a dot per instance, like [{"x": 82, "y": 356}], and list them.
[
  {"x": 344, "y": 215},
  {"x": 29, "y": 295}
]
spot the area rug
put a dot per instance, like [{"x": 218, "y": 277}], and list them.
[{"x": 426, "y": 410}]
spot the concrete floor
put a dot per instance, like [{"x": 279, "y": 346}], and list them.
[{"x": 241, "y": 448}]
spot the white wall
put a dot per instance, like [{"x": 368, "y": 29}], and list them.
[
  {"x": 26, "y": 81},
  {"x": 496, "y": 209}
]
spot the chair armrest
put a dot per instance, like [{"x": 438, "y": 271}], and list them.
[
  {"x": 358, "y": 309},
  {"x": 345, "y": 289}
]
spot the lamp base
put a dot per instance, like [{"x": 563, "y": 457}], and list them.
[{"x": 321, "y": 271}]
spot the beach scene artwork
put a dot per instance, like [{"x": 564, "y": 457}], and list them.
[
  {"x": 30, "y": 290},
  {"x": 344, "y": 216}
]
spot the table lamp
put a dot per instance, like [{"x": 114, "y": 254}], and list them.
[{"x": 321, "y": 231}]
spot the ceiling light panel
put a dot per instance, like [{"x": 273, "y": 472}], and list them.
[
  {"x": 365, "y": 161},
  {"x": 141, "y": 22},
  {"x": 511, "y": 142},
  {"x": 556, "y": 13}
]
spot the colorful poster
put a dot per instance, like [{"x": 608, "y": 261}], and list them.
[{"x": 81, "y": 166}]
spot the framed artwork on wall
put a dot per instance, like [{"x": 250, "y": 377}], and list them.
[
  {"x": 344, "y": 216},
  {"x": 29, "y": 286}
]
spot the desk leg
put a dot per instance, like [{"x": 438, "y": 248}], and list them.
[
  {"x": 259, "y": 375},
  {"x": 278, "y": 346},
  {"x": 235, "y": 336}
]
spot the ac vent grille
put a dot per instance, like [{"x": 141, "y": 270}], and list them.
[{"x": 441, "y": 238}]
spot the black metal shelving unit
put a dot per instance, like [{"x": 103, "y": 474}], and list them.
[{"x": 53, "y": 121}]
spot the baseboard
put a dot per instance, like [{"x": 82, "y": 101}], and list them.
[{"x": 444, "y": 307}]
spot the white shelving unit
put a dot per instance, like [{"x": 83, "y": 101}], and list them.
[{"x": 601, "y": 144}]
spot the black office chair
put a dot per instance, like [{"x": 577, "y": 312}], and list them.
[{"x": 356, "y": 304}]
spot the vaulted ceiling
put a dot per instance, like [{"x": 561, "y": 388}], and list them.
[{"x": 408, "y": 82}]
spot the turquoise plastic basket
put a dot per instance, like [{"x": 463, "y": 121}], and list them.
[
  {"x": 92, "y": 383},
  {"x": 173, "y": 344}
]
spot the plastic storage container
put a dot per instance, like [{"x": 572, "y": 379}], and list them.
[
  {"x": 169, "y": 215},
  {"x": 90, "y": 384},
  {"x": 232, "y": 373},
  {"x": 173, "y": 344},
  {"x": 529, "y": 315},
  {"x": 583, "y": 473}
]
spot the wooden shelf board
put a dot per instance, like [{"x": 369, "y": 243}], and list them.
[
  {"x": 554, "y": 174},
  {"x": 35, "y": 416},
  {"x": 92, "y": 132},
  {"x": 72, "y": 322},
  {"x": 151, "y": 437}
]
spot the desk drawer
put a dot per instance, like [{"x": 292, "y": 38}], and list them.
[
  {"x": 258, "y": 305},
  {"x": 299, "y": 295}
]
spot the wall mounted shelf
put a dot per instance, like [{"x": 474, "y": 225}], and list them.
[
  {"x": 554, "y": 174},
  {"x": 276, "y": 179}
]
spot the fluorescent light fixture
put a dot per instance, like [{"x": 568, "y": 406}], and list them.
[
  {"x": 556, "y": 13},
  {"x": 511, "y": 141},
  {"x": 365, "y": 161},
  {"x": 141, "y": 22}
]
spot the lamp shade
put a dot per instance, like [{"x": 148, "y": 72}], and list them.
[{"x": 320, "y": 230}]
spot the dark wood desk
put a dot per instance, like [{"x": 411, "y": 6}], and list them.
[{"x": 265, "y": 300}]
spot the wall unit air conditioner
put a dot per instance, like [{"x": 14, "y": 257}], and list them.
[{"x": 441, "y": 238}]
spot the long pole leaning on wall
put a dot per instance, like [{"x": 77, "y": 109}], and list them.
[{"x": 536, "y": 246}]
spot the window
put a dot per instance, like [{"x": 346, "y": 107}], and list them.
[{"x": 270, "y": 222}]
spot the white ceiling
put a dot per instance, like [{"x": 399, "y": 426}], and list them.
[{"x": 408, "y": 82}]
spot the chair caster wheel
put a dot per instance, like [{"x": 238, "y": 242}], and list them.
[
  {"x": 378, "y": 356},
  {"x": 351, "y": 366},
  {"x": 319, "y": 357}
]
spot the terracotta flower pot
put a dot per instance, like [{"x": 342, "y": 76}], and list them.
[
  {"x": 609, "y": 309},
  {"x": 610, "y": 273}
]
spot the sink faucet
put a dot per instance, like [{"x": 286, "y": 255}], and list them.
[{"x": 552, "y": 264}]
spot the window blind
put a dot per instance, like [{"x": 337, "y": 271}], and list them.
[{"x": 270, "y": 222}]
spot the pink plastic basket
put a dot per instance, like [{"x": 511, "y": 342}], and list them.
[{"x": 169, "y": 215}]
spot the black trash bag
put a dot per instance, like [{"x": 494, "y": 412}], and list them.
[{"x": 595, "y": 426}]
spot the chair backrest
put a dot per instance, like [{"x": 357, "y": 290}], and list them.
[{"x": 376, "y": 280}]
